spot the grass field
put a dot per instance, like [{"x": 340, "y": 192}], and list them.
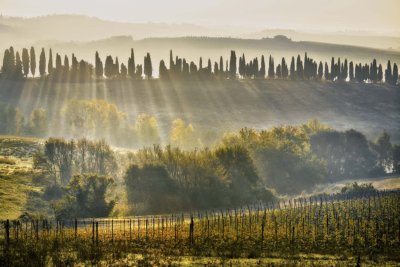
[{"x": 18, "y": 192}]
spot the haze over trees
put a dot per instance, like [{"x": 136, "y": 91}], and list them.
[{"x": 179, "y": 68}]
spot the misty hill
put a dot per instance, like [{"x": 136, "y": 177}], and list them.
[
  {"x": 216, "y": 106},
  {"x": 82, "y": 35},
  {"x": 348, "y": 38}
]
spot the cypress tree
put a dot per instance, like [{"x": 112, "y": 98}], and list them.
[
  {"x": 333, "y": 70},
  {"x": 232, "y": 65},
  {"x": 320, "y": 70},
  {"x": 42, "y": 63},
  {"x": 171, "y": 60},
  {"x": 50, "y": 65},
  {"x": 351, "y": 71},
  {"x": 148, "y": 69},
  {"x": 124, "y": 70},
  {"x": 216, "y": 68},
  {"x": 388, "y": 73},
  {"x": 345, "y": 70},
  {"x": 116, "y": 67},
  {"x": 33, "y": 61},
  {"x": 66, "y": 68},
  {"x": 11, "y": 60},
  {"x": 221, "y": 66},
  {"x": 201, "y": 63},
  {"x": 25, "y": 61},
  {"x": 18, "y": 65},
  {"x": 271, "y": 68},
  {"x": 6, "y": 62},
  {"x": 109, "y": 67},
  {"x": 380, "y": 73},
  {"x": 131, "y": 64},
  {"x": 278, "y": 71},
  {"x": 262, "y": 70},
  {"x": 327, "y": 74},
  {"x": 292, "y": 69},
  {"x": 163, "y": 72},
  {"x": 299, "y": 68},
  {"x": 285, "y": 71},
  {"x": 209, "y": 66},
  {"x": 395, "y": 74}
]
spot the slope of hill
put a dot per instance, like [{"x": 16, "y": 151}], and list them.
[{"x": 226, "y": 105}]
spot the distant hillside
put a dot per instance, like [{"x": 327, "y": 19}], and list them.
[
  {"x": 227, "y": 105},
  {"x": 348, "y": 38},
  {"x": 83, "y": 35}
]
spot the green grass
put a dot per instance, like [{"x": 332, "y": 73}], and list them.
[{"x": 18, "y": 193}]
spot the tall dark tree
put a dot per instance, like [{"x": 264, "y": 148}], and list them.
[
  {"x": 388, "y": 73},
  {"x": 109, "y": 67},
  {"x": 201, "y": 63},
  {"x": 131, "y": 64},
  {"x": 232, "y": 65},
  {"x": 327, "y": 74},
  {"x": 292, "y": 69},
  {"x": 373, "y": 71},
  {"x": 116, "y": 67},
  {"x": 221, "y": 66},
  {"x": 11, "y": 61},
  {"x": 98, "y": 66},
  {"x": 171, "y": 60},
  {"x": 6, "y": 62},
  {"x": 163, "y": 71},
  {"x": 124, "y": 70},
  {"x": 262, "y": 69},
  {"x": 18, "y": 65},
  {"x": 59, "y": 67},
  {"x": 271, "y": 68},
  {"x": 320, "y": 70},
  {"x": 42, "y": 63},
  {"x": 285, "y": 70},
  {"x": 33, "y": 61},
  {"x": 148, "y": 68},
  {"x": 351, "y": 71},
  {"x": 395, "y": 74},
  {"x": 333, "y": 69},
  {"x": 380, "y": 73},
  {"x": 50, "y": 65},
  {"x": 299, "y": 68},
  {"x": 66, "y": 68},
  {"x": 25, "y": 61}
]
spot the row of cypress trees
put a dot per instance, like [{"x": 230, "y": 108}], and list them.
[{"x": 15, "y": 66}]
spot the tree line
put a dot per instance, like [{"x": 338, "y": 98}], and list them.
[
  {"x": 244, "y": 167},
  {"x": 306, "y": 68}
]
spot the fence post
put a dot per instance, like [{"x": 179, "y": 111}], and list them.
[
  {"x": 76, "y": 228},
  {"x": 7, "y": 225}
]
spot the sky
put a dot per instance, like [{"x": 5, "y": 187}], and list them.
[{"x": 378, "y": 16}]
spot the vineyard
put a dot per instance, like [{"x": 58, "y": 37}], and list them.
[{"x": 361, "y": 226}]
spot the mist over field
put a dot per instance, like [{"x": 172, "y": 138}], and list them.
[{"x": 176, "y": 133}]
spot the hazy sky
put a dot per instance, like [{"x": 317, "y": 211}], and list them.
[{"x": 381, "y": 16}]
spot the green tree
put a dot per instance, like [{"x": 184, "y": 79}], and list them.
[
  {"x": 147, "y": 130},
  {"x": 42, "y": 63},
  {"x": 33, "y": 61},
  {"x": 232, "y": 65},
  {"x": 25, "y": 61},
  {"x": 18, "y": 65},
  {"x": 148, "y": 68},
  {"x": 131, "y": 64},
  {"x": 38, "y": 124},
  {"x": 98, "y": 66},
  {"x": 109, "y": 67},
  {"x": 50, "y": 65}
]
